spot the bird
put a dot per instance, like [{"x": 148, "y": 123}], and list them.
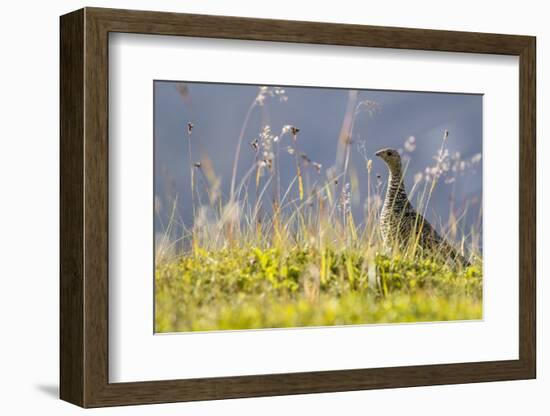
[{"x": 401, "y": 225}]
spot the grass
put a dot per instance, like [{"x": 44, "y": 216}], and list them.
[
  {"x": 274, "y": 256},
  {"x": 254, "y": 288}
]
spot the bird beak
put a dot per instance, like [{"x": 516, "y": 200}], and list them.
[{"x": 379, "y": 153}]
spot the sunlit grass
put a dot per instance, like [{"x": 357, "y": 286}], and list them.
[{"x": 253, "y": 288}]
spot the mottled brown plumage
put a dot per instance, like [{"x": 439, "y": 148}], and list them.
[{"x": 401, "y": 225}]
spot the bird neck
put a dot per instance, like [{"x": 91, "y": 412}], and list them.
[{"x": 396, "y": 187}]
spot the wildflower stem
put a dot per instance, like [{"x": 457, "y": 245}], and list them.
[
  {"x": 191, "y": 171},
  {"x": 238, "y": 149}
]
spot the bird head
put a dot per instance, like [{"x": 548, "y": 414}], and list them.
[{"x": 391, "y": 157}]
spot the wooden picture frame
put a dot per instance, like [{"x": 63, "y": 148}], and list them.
[{"x": 84, "y": 207}]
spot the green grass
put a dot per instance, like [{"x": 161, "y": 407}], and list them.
[{"x": 244, "y": 288}]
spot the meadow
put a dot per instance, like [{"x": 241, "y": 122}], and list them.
[{"x": 270, "y": 253}]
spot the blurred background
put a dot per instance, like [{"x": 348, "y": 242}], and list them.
[{"x": 437, "y": 133}]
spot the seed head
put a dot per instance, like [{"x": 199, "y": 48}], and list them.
[
  {"x": 410, "y": 144},
  {"x": 270, "y": 92},
  {"x": 255, "y": 144},
  {"x": 183, "y": 89},
  {"x": 476, "y": 158},
  {"x": 286, "y": 129},
  {"x": 344, "y": 203},
  {"x": 268, "y": 163}
]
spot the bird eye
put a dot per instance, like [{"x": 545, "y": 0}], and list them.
[{"x": 388, "y": 153}]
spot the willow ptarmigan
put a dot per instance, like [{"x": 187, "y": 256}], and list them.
[{"x": 400, "y": 223}]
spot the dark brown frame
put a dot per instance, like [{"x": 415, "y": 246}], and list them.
[{"x": 84, "y": 208}]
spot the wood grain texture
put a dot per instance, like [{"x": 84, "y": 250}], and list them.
[
  {"x": 96, "y": 208},
  {"x": 528, "y": 207},
  {"x": 84, "y": 207},
  {"x": 71, "y": 208}
]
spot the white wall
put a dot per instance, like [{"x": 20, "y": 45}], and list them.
[{"x": 29, "y": 208}]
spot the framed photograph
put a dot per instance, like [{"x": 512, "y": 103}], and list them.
[{"x": 257, "y": 207}]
